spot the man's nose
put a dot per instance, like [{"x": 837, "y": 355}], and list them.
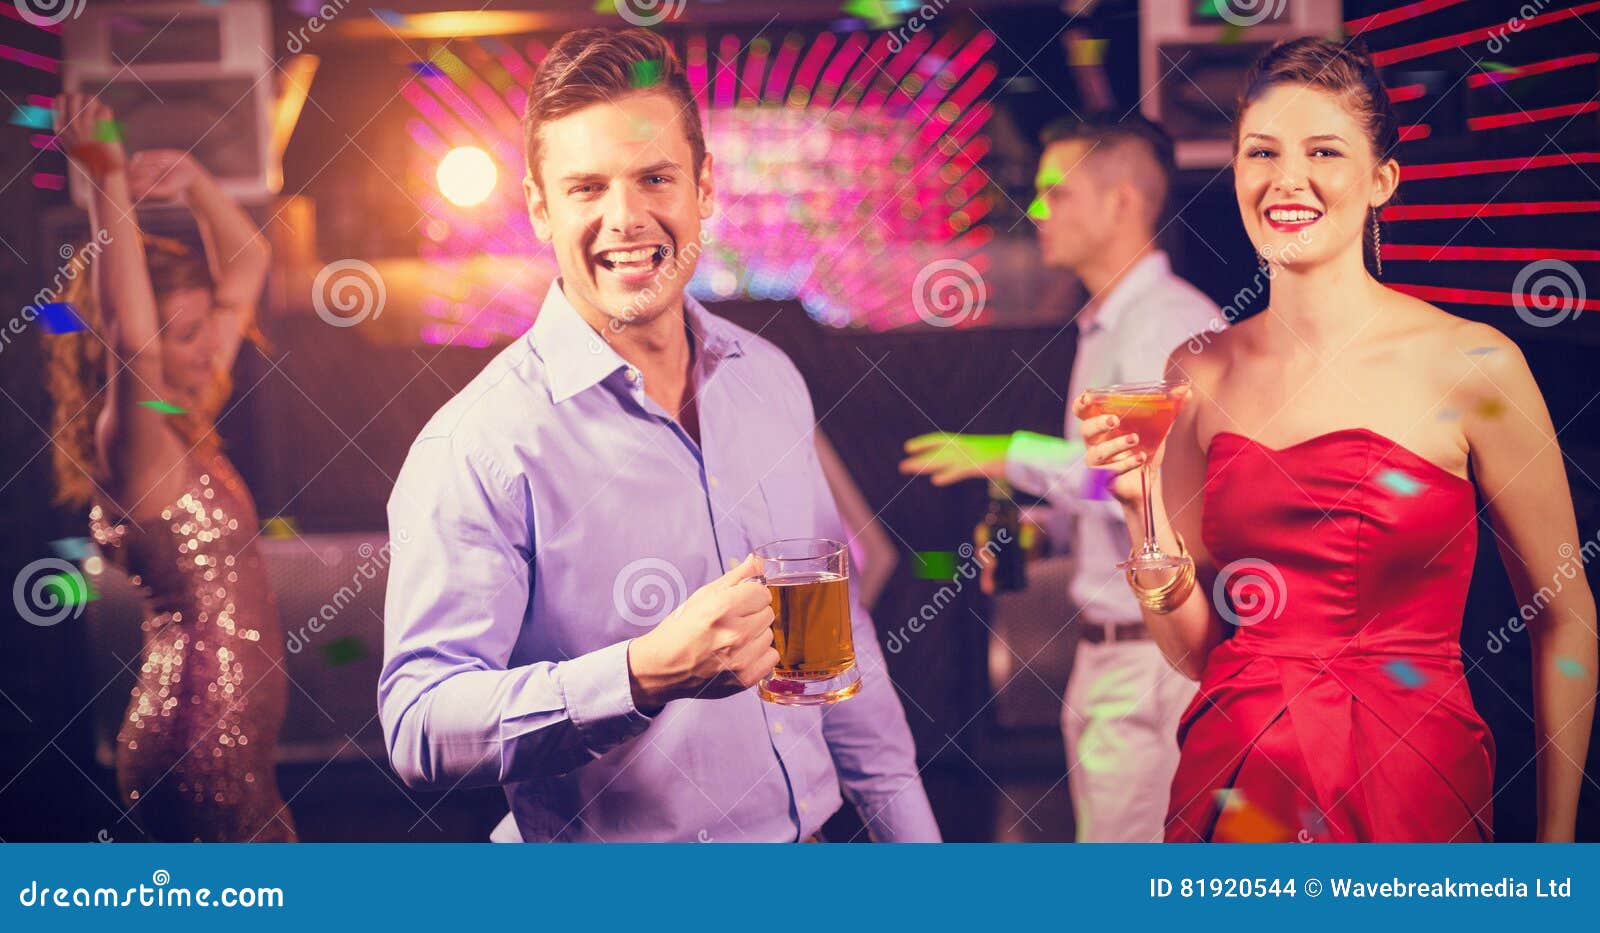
[{"x": 624, "y": 212}]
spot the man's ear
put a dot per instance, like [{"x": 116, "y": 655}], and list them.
[
  {"x": 707, "y": 190},
  {"x": 538, "y": 210}
]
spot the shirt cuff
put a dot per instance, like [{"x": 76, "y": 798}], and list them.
[
  {"x": 599, "y": 697},
  {"x": 1032, "y": 461},
  {"x": 902, "y": 817}
]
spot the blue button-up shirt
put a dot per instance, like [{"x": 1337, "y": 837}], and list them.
[{"x": 551, "y": 512}]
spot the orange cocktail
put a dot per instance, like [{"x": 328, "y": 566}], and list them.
[
  {"x": 1146, "y": 409},
  {"x": 1141, "y": 411}
]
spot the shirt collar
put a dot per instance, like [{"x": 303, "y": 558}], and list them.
[
  {"x": 1147, "y": 271},
  {"x": 577, "y": 358}
]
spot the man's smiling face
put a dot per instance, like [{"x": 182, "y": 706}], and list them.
[{"x": 618, "y": 198}]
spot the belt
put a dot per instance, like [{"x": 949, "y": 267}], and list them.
[{"x": 1098, "y": 634}]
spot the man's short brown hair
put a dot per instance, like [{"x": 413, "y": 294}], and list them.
[{"x": 588, "y": 66}]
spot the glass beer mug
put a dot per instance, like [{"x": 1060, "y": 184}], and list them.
[{"x": 809, "y": 579}]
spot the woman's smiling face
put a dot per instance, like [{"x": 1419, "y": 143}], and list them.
[{"x": 1306, "y": 175}]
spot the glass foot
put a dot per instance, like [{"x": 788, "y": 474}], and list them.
[
  {"x": 1156, "y": 561},
  {"x": 796, "y": 691}
]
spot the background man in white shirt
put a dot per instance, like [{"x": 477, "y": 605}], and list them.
[{"x": 1102, "y": 185}]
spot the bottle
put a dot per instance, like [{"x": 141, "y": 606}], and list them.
[{"x": 999, "y": 541}]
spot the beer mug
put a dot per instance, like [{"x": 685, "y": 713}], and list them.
[{"x": 809, "y": 579}]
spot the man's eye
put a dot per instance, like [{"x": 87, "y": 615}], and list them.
[
  {"x": 658, "y": 179},
  {"x": 1259, "y": 153},
  {"x": 584, "y": 189}
]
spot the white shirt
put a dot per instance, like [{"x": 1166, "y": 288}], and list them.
[{"x": 1145, "y": 316}]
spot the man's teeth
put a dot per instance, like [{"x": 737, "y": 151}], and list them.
[
  {"x": 1290, "y": 217},
  {"x": 642, "y": 254}
]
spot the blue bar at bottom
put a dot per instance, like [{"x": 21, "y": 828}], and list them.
[{"x": 701, "y": 887}]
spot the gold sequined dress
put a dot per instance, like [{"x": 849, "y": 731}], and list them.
[{"x": 197, "y": 749}]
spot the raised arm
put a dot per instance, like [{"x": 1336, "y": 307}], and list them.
[
  {"x": 236, "y": 251},
  {"x": 134, "y": 444},
  {"x": 1517, "y": 461}
]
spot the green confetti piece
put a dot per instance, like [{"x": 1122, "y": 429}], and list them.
[
  {"x": 166, "y": 408},
  {"x": 1496, "y": 66},
  {"x": 936, "y": 565},
  {"x": 72, "y": 588},
  {"x": 1401, "y": 484},
  {"x": 1571, "y": 667},
  {"x": 876, "y": 12},
  {"x": 647, "y": 73},
  {"x": 1039, "y": 210},
  {"x": 1048, "y": 178},
  {"x": 108, "y": 131},
  {"x": 342, "y": 651}
]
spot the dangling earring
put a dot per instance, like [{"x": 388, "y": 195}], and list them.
[{"x": 1377, "y": 243}]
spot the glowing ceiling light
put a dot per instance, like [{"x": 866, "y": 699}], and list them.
[{"x": 466, "y": 176}]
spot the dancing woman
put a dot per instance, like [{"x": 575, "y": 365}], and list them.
[
  {"x": 1324, "y": 477},
  {"x": 137, "y": 394}
]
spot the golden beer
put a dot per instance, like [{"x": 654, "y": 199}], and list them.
[
  {"x": 809, "y": 581},
  {"x": 812, "y": 628}
]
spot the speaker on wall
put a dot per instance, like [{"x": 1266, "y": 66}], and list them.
[
  {"x": 187, "y": 76},
  {"x": 1193, "y": 58}
]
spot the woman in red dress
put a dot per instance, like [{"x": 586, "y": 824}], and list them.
[{"x": 1324, "y": 475}]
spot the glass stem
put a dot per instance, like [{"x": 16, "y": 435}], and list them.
[{"x": 1149, "y": 514}]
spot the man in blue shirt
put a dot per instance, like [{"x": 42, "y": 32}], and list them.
[{"x": 572, "y": 613}]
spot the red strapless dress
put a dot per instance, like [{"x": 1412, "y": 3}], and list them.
[{"x": 1339, "y": 709}]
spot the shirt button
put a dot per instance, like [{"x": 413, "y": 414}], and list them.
[
  {"x": 777, "y": 727},
  {"x": 633, "y": 374},
  {"x": 802, "y": 806},
  {"x": 712, "y": 480}
]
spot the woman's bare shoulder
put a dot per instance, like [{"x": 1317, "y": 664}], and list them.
[{"x": 1204, "y": 358}]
